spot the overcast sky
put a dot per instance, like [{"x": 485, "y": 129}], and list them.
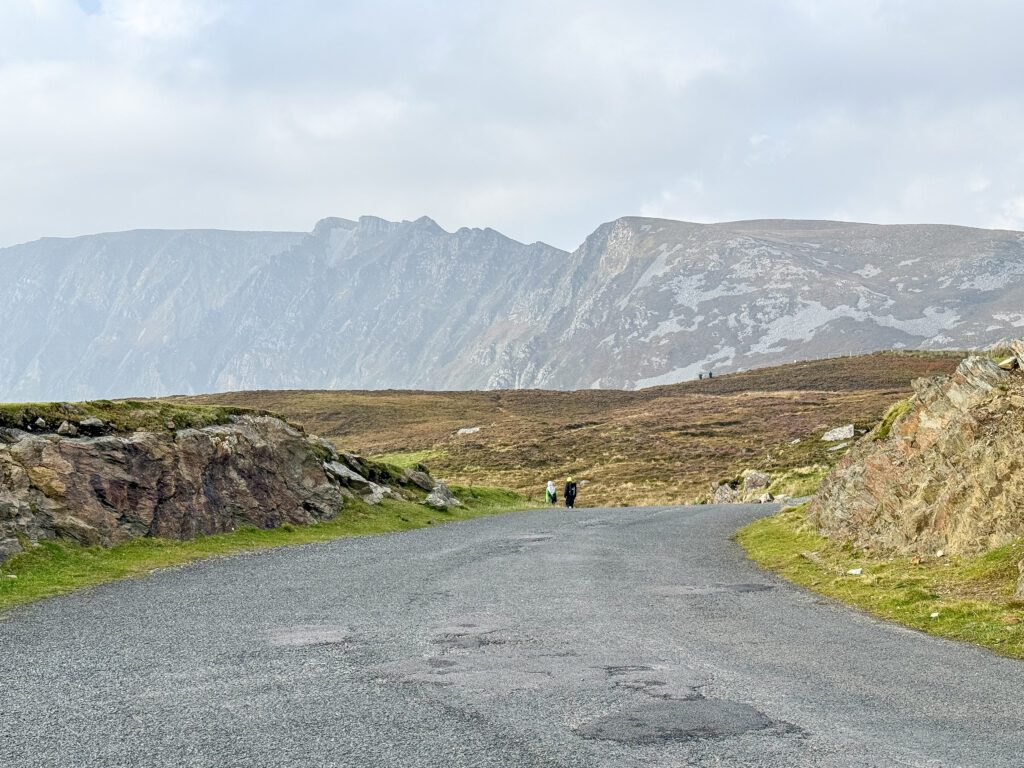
[{"x": 540, "y": 118}]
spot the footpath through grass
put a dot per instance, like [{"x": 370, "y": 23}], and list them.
[
  {"x": 56, "y": 568},
  {"x": 961, "y": 598}
]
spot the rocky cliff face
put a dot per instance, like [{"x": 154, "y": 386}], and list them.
[
  {"x": 106, "y": 489},
  {"x": 379, "y": 304},
  {"x": 944, "y": 471}
]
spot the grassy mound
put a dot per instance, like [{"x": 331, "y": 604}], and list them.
[
  {"x": 122, "y": 416},
  {"x": 961, "y": 598}
]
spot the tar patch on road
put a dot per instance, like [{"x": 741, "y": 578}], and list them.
[{"x": 677, "y": 720}]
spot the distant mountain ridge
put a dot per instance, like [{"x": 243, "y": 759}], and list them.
[{"x": 373, "y": 304}]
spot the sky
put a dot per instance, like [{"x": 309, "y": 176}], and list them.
[{"x": 539, "y": 118}]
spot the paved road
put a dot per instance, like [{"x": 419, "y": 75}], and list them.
[{"x": 626, "y": 637}]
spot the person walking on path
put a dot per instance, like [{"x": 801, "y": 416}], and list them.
[
  {"x": 570, "y": 493},
  {"x": 552, "y": 493}
]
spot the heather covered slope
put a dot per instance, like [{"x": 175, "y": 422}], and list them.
[
  {"x": 658, "y": 445},
  {"x": 373, "y": 304}
]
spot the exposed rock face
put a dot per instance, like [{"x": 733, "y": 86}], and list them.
[
  {"x": 104, "y": 490},
  {"x": 640, "y": 302},
  {"x": 949, "y": 475}
]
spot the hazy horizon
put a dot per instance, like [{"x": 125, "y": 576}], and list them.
[{"x": 526, "y": 241}]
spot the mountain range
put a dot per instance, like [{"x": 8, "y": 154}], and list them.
[{"x": 374, "y": 304}]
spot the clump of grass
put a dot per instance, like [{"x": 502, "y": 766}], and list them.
[
  {"x": 799, "y": 481},
  {"x": 56, "y": 567},
  {"x": 884, "y": 428},
  {"x": 961, "y": 598}
]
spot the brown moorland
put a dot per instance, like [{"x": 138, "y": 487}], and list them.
[{"x": 659, "y": 445}]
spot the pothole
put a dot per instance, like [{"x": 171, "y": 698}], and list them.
[
  {"x": 533, "y": 538},
  {"x": 467, "y": 636},
  {"x": 627, "y": 669},
  {"x": 309, "y": 635},
  {"x": 677, "y": 720},
  {"x": 440, "y": 663},
  {"x": 655, "y": 688},
  {"x": 469, "y": 642}
]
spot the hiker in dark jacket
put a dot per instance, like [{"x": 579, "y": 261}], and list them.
[{"x": 570, "y": 493}]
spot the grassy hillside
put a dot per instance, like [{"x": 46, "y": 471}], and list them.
[{"x": 664, "y": 444}]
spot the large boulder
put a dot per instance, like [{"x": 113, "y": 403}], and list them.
[
  {"x": 725, "y": 494},
  {"x": 839, "y": 433},
  {"x": 420, "y": 479},
  {"x": 944, "y": 470},
  {"x": 106, "y": 489},
  {"x": 755, "y": 480},
  {"x": 441, "y": 497}
]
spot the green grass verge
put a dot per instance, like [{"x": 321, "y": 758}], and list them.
[
  {"x": 56, "y": 568},
  {"x": 961, "y": 598}
]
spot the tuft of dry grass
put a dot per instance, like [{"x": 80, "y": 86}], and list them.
[{"x": 653, "y": 446}]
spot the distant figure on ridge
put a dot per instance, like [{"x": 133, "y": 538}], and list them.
[
  {"x": 570, "y": 493},
  {"x": 552, "y": 493}
]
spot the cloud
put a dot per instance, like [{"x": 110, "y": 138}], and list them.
[
  {"x": 539, "y": 119},
  {"x": 160, "y": 19}
]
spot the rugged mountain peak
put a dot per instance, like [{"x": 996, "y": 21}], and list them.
[
  {"x": 325, "y": 226},
  {"x": 427, "y": 224}
]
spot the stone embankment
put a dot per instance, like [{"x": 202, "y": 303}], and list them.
[
  {"x": 944, "y": 471},
  {"x": 83, "y": 484}
]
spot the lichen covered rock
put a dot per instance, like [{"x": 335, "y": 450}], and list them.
[
  {"x": 943, "y": 471},
  {"x": 106, "y": 489}
]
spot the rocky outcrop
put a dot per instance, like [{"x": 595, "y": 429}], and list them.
[
  {"x": 257, "y": 470},
  {"x": 943, "y": 471}
]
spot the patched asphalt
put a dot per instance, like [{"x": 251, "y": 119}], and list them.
[{"x": 621, "y": 637}]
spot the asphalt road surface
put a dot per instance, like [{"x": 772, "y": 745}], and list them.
[{"x": 624, "y": 637}]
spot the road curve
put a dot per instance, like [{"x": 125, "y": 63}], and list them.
[{"x": 614, "y": 637}]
